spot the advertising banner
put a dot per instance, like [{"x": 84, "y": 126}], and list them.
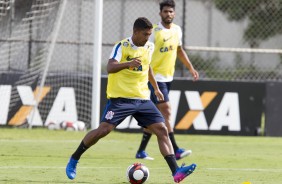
[
  {"x": 209, "y": 107},
  {"x": 202, "y": 107}
]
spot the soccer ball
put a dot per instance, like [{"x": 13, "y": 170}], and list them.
[
  {"x": 52, "y": 125},
  {"x": 69, "y": 126},
  {"x": 73, "y": 126},
  {"x": 137, "y": 173},
  {"x": 80, "y": 125}
]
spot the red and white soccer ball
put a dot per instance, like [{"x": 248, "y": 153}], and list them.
[
  {"x": 73, "y": 126},
  {"x": 137, "y": 173},
  {"x": 69, "y": 126}
]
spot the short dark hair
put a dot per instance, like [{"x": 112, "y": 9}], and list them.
[
  {"x": 142, "y": 23},
  {"x": 169, "y": 3}
]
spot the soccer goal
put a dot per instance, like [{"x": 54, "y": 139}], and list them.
[{"x": 46, "y": 56}]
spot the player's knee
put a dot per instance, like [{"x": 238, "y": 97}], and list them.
[
  {"x": 147, "y": 130},
  {"x": 167, "y": 114},
  {"x": 166, "y": 110},
  {"x": 104, "y": 130},
  {"x": 162, "y": 130}
]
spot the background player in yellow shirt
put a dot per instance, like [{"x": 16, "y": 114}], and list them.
[
  {"x": 167, "y": 37},
  {"x": 128, "y": 94}
]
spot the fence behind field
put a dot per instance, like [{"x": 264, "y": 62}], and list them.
[{"x": 211, "y": 31}]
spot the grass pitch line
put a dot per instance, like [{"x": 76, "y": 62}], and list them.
[
  {"x": 30, "y": 140},
  {"x": 160, "y": 168},
  {"x": 53, "y": 167},
  {"x": 245, "y": 169},
  {"x": 56, "y": 141}
]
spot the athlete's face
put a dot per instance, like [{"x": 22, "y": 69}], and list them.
[
  {"x": 142, "y": 36},
  {"x": 167, "y": 14}
]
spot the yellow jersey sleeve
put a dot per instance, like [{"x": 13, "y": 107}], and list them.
[{"x": 130, "y": 82}]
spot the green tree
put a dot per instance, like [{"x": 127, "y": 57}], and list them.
[{"x": 264, "y": 16}]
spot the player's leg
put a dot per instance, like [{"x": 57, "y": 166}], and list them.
[
  {"x": 115, "y": 112},
  {"x": 89, "y": 140},
  {"x": 160, "y": 130},
  {"x": 147, "y": 134},
  {"x": 141, "y": 153},
  {"x": 165, "y": 109},
  {"x": 149, "y": 116},
  {"x": 166, "y": 149}
]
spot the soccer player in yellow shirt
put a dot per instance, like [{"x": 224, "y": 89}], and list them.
[
  {"x": 167, "y": 37},
  {"x": 128, "y": 94}
]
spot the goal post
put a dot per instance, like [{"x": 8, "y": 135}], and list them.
[{"x": 97, "y": 62}]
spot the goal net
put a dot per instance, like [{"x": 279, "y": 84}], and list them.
[{"x": 46, "y": 53}]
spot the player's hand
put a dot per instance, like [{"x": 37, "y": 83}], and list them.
[
  {"x": 134, "y": 63},
  {"x": 159, "y": 95},
  {"x": 194, "y": 74}
]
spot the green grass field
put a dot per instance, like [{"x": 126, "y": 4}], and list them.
[{"x": 40, "y": 156}]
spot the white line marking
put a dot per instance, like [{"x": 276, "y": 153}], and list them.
[
  {"x": 155, "y": 168},
  {"x": 246, "y": 169},
  {"x": 27, "y": 140},
  {"x": 51, "y": 141},
  {"x": 52, "y": 167}
]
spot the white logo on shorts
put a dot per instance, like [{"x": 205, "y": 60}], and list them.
[{"x": 109, "y": 115}]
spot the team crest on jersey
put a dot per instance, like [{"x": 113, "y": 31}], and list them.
[
  {"x": 125, "y": 44},
  {"x": 109, "y": 115}
]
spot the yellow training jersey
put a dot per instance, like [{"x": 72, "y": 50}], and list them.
[
  {"x": 166, "y": 42},
  {"x": 130, "y": 82}
]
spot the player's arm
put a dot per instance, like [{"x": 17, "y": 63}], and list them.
[
  {"x": 115, "y": 66},
  {"x": 182, "y": 56},
  {"x": 153, "y": 82}
]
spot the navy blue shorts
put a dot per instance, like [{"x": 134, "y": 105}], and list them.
[
  {"x": 164, "y": 88},
  {"x": 144, "y": 111}
]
